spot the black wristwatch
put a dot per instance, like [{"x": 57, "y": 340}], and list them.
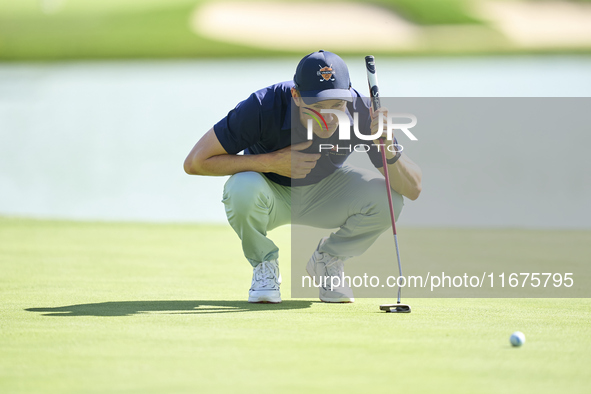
[{"x": 395, "y": 158}]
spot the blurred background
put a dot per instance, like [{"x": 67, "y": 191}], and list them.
[{"x": 100, "y": 101}]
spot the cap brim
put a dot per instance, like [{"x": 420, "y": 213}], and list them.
[{"x": 314, "y": 96}]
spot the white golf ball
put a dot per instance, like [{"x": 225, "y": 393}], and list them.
[{"x": 517, "y": 338}]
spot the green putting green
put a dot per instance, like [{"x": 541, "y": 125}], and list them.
[{"x": 160, "y": 308}]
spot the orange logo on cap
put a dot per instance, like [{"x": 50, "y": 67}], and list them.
[{"x": 326, "y": 73}]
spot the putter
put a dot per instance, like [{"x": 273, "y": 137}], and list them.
[{"x": 372, "y": 80}]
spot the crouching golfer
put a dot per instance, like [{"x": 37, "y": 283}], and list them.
[{"x": 284, "y": 177}]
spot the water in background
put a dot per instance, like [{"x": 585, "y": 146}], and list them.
[{"x": 107, "y": 140}]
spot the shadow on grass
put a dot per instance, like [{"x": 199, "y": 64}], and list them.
[{"x": 128, "y": 308}]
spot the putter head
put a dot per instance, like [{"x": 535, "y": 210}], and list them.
[{"x": 395, "y": 308}]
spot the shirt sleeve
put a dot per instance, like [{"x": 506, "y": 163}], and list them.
[{"x": 241, "y": 128}]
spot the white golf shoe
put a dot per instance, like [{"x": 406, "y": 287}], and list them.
[
  {"x": 266, "y": 279},
  {"x": 323, "y": 267}
]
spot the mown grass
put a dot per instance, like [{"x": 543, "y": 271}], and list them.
[
  {"x": 77, "y": 29},
  {"x": 123, "y": 30},
  {"x": 161, "y": 308}
]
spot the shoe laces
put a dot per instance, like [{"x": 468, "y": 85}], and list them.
[
  {"x": 266, "y": 275},
  {"x": 335, "y": 267}
]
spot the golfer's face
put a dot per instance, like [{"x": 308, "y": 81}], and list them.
[{"x": 320, "y": 129}]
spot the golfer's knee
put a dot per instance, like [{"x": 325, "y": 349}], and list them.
[
  {"x": 244, "y": 192},
  {"x": 397, "y": 203}
]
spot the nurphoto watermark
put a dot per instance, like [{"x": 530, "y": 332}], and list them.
[{"x": 345, "y": 130}]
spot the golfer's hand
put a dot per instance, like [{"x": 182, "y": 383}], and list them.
[
  {"x": 375, "y": 124},
  {"x": 292, "y": 163}
]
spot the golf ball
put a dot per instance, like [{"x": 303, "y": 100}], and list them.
[{"x": 517, "y": 338}]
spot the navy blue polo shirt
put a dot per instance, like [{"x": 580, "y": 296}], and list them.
[{"x": 263, "y": 123}]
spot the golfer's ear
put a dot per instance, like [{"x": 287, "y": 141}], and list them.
[{"x": 297, "y": 98}]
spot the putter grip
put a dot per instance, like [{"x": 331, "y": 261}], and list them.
[{"x": 372, "y": 80}]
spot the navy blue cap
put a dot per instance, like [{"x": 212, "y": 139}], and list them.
[{"x": 323, "y": 75}]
